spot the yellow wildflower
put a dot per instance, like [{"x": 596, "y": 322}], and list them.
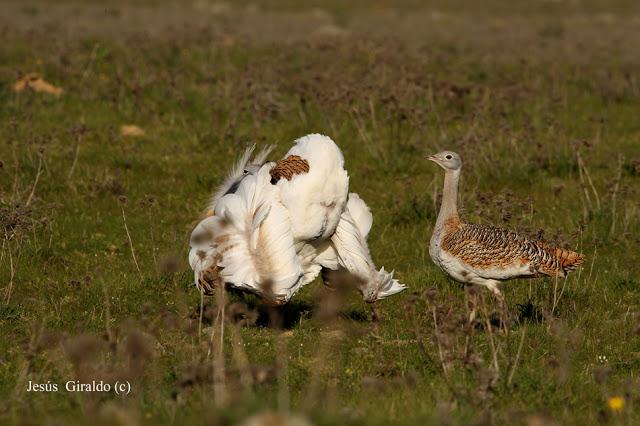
[{"x": 615, "y": 403}]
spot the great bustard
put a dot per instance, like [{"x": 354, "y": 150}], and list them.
[
  {"x": 485, "y": 255},
  {"x": 273, "y": 227}
]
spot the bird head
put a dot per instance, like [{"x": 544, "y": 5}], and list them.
[
  {"x": 448, "y": 160},
  {"x": 251, "y": 168}
]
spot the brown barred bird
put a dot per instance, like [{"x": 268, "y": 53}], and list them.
[{"x": 485, "y": 255}]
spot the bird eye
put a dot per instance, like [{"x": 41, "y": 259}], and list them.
[
  {"x": 448, "y": 157},
  {"x": 246, "y": 172}
]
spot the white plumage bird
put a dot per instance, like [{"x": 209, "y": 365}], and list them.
[{"x": 273, "y": 227}]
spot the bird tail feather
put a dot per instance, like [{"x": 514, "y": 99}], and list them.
[
  {"x": 237, "y": 171},
  {"x": 387, "y": 285},
  {"x": 251, "y": 242},
  {"x": 569, "y": 260},
  {"x": 559, "y": 261}
]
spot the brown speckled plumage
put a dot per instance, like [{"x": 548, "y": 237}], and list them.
[
  {"x": 289, "y": 167},
  {"x": 486, "y": 247},
  {"x": 485, "y": 255}
]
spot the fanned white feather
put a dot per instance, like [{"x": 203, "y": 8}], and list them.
[
  {"x": 308, "y": 253},
  {"x": 258, "y": 253},
  {"x": 360, "y": 213},
  {"x": 323, "y": 254},
  {"x": 354, "y": 256},
  {"x": 386, "y": 284},
  {"x": 203, "y": 252},
  {"x": 237, "y": 172}
]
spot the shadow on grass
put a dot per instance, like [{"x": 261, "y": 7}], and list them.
[
  {"x": 290, "y": 315},
  {"x": 528, "y": 312},
  {"x": 287, "y": 316}
]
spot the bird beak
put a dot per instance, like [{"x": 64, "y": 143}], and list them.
[{"x": 432, "y": 158}]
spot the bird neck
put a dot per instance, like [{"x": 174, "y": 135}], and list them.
[{"x": 449, "y": 206}]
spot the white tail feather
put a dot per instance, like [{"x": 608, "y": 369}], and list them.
[
  {"x": 353, "y": 255},
  {"x": 257, "y": 251},
  {"x": 261, "y": 157},
  {"x": 237, "y": 172},
  {"x": 387, "y": 285},
  {"x": 203, "y": 251}
]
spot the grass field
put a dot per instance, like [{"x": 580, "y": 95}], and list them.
[{"x": 541, "y": 99}]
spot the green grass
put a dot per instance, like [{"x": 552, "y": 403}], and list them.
[{"x": 519, "y": 92}]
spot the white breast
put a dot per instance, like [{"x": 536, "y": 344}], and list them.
[{"x": 455, "y": 268}]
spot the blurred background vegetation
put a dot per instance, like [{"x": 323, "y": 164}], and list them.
[{"x": 120, "y": 118}]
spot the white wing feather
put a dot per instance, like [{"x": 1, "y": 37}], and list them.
[
  {"x": 323, "y": 254},
  {"x": 316, "y": 199},
  {"x": 203, "y": 247},
  {"x": 308, "y": 254},
  {"x": 353, "y": 255},
  {"x": 360, "y": 213},
  {"x": 252, "y": 241}
]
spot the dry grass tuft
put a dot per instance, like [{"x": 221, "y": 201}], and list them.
[
  {"x": 17, "y": 221},
  {"x": 35, "y": 82},
  {"x": 275, "y": 419},
  {"x": 131, "y": 130}
]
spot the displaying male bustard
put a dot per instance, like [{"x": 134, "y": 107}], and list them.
[
  {"x": 273, "y": 227},
  {"x": 485, "y": 255}
]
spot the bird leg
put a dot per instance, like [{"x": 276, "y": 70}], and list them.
[
  {"x": 471, "y": 299},
  {"x": 326, "y": 275},
  {"x": 494, "y": 286},
  {"x": 373, "y": 317}
]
